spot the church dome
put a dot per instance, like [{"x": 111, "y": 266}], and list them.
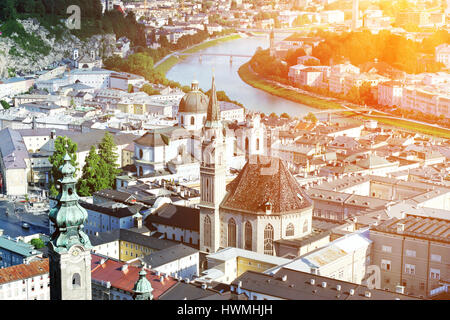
[{"x": 194, "y": 101}]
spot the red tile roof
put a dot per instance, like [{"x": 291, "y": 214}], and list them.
[
  {"x": 23, "y": 271},
  {"x": 125, "y": 280},
  {"x": 265, "y": 179}
]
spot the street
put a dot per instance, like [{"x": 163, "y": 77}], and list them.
[{"x": 11, "y": 223}]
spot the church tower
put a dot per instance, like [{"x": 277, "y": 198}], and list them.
[
  {"x": 212, "y": 175},
  {"x": 69, "y": 247},
  {"x": 272, "y": 43}
]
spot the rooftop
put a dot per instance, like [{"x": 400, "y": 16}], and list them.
[{"x": 24, "y": 271}]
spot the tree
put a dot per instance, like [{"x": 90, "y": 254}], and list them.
[
  {"x": 311, "y": 117},
  {"x": 57, "y": 160},
  {"x": 37, "y": 243},
  {"x": 285, "y": 115},
  {"x": 107, "y": 150},
  {"x": 148, "y": 89},
  {"x": 5, "y": 104},
  {"x": 94, "y": 178},
  {"x": 130, "y": 88}
]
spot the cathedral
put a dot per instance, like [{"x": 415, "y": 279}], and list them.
[
  {"x": 178, "y": 149},
  {"x": 263, "y": 204}
]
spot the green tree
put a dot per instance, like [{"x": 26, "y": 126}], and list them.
[
  {"x": 57, "y": 160},
  {"x": 5, "y": 104},
  {"x": 107, "y": 151},
  {"x": 37, "y": 243},
  {"x": 311, "y": 117},
  {"x": 94, "y": 176},
  {"x": 148, "y": 89}
]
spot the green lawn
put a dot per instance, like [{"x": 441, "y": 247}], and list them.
[
  {"x": 165, "y": 66},
  {"x": 258, "y": 82}
]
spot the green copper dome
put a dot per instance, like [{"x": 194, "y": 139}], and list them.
[
  {"x": 68, "y": 215},
  {"x": 142, "y": 288}
]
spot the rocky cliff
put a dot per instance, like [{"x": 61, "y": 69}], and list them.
[{"x": 16, "y": 58}]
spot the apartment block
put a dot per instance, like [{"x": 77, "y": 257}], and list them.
[{"x": 413, "y": 252}]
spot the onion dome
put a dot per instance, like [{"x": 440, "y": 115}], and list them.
[
  {"x": 68, "y": 215},
  {"x": 194, "y": 101},
  {"x": 142, "y": 288}
]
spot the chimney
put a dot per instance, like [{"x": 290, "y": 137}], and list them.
[
  {"x": 161, "y": 279},
  {"x": 312, "y": 282},
  {"x": 239, "y": 284},
  {"x": 324, "y": 284},
  {"x": 338, "y": 287},
  {"x": 367, "y": 294},
  {"x": 268, "y": 206},
  {"x": 138, "y": 222},
  {"x": 400, "y": 289},
  {"x": 1, "y": 232},
  {"x": 352, "y": 292},
  {"x": 400, "y": 227},
  {"x": 102, "y": 261},
  {"x": 284, "y": 278},
  {"x": 204, "y": 286},
  {"x": 124, "y": 268}
]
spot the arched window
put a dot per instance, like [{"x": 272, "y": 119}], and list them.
[
  {"x": 268, "y": 239},
  {"x": 305, "y": 226},
  {"x": 207, "y": 231},
  {"x": 290, "y": 230},
  {"x": 141, "y": 154},
  {"x": 231, "y": 233},
  {"x": 192, "y": 120},
  {"x": 248, "y": 236},
  {"x": 76, "y": 281},
  {"x": 182, "y": 119}
]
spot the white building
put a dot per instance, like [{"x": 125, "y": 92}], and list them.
[
  {"x": 390, "y": 93},
  {"x": 29, "y": 281},
  {"x": 442, "y": 54},
  {"x": 344, "y": 259}
]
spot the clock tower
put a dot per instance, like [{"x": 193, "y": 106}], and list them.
[{"x": 69, "y": 247}]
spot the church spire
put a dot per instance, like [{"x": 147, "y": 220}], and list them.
[
  {"x": 68, "y": 216},
  {"x": 213, "y": 112}
]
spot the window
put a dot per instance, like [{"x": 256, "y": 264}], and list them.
[
  {"x": 290, "y": 230},
  {"x": 411, "y": 253},
  {"x": 257, "y": 144},
  {"x": 76, "y": 281},
  {"x": 231, "y": 233},
  {"x": 305, "y": 226},
  {"x": 436, "y": 257},
  {"x": 207, "y": 231},
  {"x": 410, "y": 268},
  {"x": 385, "y": 264},
  {"x": 268, "y": 239},
  {"x": 435, "y": 274},
  {"x": 141, "y": 154},
  {"x": 386, "y": 249},
  {"x": 192, "y": 120},
  {"x": 248, "y": 236}
]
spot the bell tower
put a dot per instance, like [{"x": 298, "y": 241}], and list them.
[
  {"x": 212, "y": 175},
  {"x": 69, "y": 247}
]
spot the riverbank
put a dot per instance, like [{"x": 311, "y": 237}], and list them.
[
  {"x": 257, "y": 82},
  {"x": 167, "y": 64},
  {"x": 252, "y": 79}
]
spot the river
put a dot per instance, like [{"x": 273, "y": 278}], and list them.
[{"x": 228, "y": 80}]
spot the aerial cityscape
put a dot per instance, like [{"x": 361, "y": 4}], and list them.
[{"x": 230, "y": 150}]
